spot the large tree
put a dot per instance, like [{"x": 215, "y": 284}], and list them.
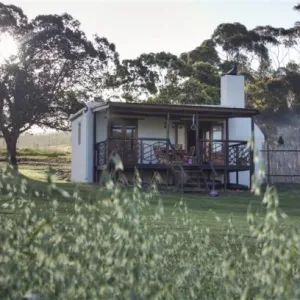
[
  {"x": 206, "y": 52},
  {"x": 51, "y": 73},
  {"x": 148, "y": 74}
]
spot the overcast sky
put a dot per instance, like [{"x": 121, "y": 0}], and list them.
[{"x": 163, "y": 25}]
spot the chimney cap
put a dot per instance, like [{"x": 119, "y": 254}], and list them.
[{"x": 233, "y": 71}]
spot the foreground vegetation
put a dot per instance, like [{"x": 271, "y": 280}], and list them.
[{"x": 64, "y": 242}]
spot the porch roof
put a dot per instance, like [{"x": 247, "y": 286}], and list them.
[{"x": 176, "y": 110}]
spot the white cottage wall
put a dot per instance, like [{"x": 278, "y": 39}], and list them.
[
  {"x": 154, "y": 128},
  {"x": 78, "y": 156},
  {"x": 233, "y": 95},
  {"x": 82, "y": 162},
  {"x": 101, "y": 126},
  {"x": 240, "y": 130},
  {"x": 182, "y": 136}
]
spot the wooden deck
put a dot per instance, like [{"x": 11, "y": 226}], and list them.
[
  {"x": 157, "y": 167},
  {"x": 210, "y": 159},
  {"x": 157, "y": 153}
]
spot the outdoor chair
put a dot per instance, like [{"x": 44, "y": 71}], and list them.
[
  {"x": 160, "y": 154},
  {"x": 191, "y": 154},
  {"x": 177, "y": 147}
]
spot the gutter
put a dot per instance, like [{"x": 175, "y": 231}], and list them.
[
  {"x": 77, "y": 115},
  {"x": 86, "y": 108},
  {"x": 102, "y": 107}
]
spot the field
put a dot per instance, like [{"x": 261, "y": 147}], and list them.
[
  {"x": 34, "y": 163},
  {"x": 140, "y": 244},
  {"x": 211, "y": 212}
]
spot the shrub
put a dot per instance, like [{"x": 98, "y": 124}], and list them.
[{"x": 111, "y": 249}]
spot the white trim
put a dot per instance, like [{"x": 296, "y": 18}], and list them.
[
  {"x": 72, "y": 117},
  {"x": 100, "y": 108},
  {"x": 94, "y": 106}
]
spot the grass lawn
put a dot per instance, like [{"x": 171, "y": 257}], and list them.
[{"x": 211, "y": 212}]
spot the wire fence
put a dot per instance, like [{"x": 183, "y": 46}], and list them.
[
  {"x": 282, "y": 163},
  {"x": 55, "y": 141}
]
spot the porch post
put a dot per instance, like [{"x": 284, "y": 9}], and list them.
[
  {"x": 226, "y": 173},
  {"x": 252, "y": 149},
  {"x": 168, "y": 126},
  {"x": 168, "y": 133},
  {"x": 197, "y": 140},
  {"x": 108, "y": 141},
  {"x": 168, "y": 145},
  {"x": 95, "y": 179}
]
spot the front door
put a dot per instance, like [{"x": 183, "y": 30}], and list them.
[{"x": 124, "y": 140}]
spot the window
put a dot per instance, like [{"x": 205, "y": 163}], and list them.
[
  {"x": 217, "y": 135},
  {"x": 217, "y": 132},
  {"x": 116, "y": 131},
  {"x": 79, "y": 133}
]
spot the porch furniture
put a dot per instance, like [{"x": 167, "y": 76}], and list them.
[
  {"x": 181, "y": 154},
  {"x": 242, "y": 161},
  {"x": 218, "y": 158},
  {"x": 177, "y": 147},
  {"x": 160, "y": 154},
  {"x": 191, "y": 155}
]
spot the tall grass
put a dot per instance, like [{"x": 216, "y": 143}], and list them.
[
  {"x": 109, "y": 249},
  {"x": 30, "y": 152}
]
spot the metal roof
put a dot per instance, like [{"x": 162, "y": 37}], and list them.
[{"x": 178, "y": 109}]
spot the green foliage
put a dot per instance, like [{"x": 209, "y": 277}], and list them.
[
  {"x": 206, "y": 52},
  {"x": 54, "y": 70},
  {"x": 110, "y": 249},
  {"x": 190, "y": 91}
]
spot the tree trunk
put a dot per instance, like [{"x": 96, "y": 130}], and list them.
[{"x": 11, "y": 146}]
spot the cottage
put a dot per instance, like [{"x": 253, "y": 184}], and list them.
[{"x": 188, "y": 144}]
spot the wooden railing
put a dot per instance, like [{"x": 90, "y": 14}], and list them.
[
  {"x": 222, "y": 152},
  {"x": 142, "y": 151},
  {"x": 132, "y": 151}
]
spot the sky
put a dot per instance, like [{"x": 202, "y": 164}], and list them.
[{"x": 174, "y": 26}]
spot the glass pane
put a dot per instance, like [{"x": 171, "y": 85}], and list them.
[
  {"x": 130, "y": 132},
  {"x": 217, "y": 132},
  {"x": 117, "y": 131}
]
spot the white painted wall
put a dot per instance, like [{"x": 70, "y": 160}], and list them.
[
  {"x": 233, "y": 91},
  {"x": 233, "y": 95},
  {"x": 101, "y": 126},
  {"x": 182, "y": 136},
  {"x": 82, "y": 163},
  {"x": 154, "y": 128},
  {"x": 78, "y": 162},
  {"x": 240, "y": 129}
]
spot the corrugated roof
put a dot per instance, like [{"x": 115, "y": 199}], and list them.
[{"x": 174, "y": 107}]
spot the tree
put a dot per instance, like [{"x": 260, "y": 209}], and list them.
[
  {"x": 148, "y": 74},
  {"x": 279, "y": 42},
  {"x": 206, "y": 52},
  {"x": 241, "y": 45},
  {"x": 206, "y": 74},
  {"x": 42, "y": 84},
  {"x": 191, "y": 91},
  {"x": 269, "y": 94}
]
